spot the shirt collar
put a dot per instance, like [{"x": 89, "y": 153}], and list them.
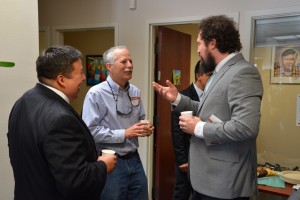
[
  {"x": 58, "y": 92},
  {"x": 115, "y": 86},
  {"x": 221, "y": 64},
  {"x": 198, "y": 90}
]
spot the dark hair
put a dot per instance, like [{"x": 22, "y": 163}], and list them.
[
  {"x": 288, "y": 52},
  {"x": 223, "y": 30},
  {"x": 201, "y": 68},
  {"x": 56, "y": 60}
]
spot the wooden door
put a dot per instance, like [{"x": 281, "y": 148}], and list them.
[{"x": 173, "y": 52}]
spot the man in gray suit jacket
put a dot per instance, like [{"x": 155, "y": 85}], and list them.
[{"x": 223, "y": 144}]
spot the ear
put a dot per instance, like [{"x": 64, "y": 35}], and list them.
[
  {"x": 198, "y": 76},
  {"x": 61, "y": 80},
  {"x": 213, "y": 44},
  {"x": 108, "y": 66}
]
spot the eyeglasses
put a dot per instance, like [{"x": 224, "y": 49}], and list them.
[{"x": 116, "y": 100}]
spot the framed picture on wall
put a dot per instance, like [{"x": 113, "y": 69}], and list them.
[
  {"x": 286, "y": 65},
  {"x": 96, "y": 71}
]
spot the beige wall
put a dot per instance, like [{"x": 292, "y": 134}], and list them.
[
  {"x": 42, "y": 41},
  {"x": 91, "y": 42},
  {"x": 278, "y": 140},
  {"x": 18, "y": 44}
]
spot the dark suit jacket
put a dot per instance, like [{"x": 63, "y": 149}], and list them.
[
  {"x": 51, "y": 150},
  {"x": 181, "y": 140}
]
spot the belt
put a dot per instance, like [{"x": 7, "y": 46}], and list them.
[{"x": 127, "y": 156}]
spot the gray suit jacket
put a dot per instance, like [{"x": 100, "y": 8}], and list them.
[{"x": 223, "y": 164}]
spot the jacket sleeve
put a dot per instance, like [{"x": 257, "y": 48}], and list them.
[{"x": 70, "y": 152}]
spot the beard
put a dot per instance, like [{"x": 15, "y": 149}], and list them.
[{"x": 209, "y": 63}]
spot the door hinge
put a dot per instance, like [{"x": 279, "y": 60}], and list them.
[{"x": 158, "y": 75}]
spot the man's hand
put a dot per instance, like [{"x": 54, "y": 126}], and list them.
[
  {"x": 140, "y": 129},
  {"x": 168, "y": 93},
  {"x": 110, "y": 162},
  {"x": 148, "y": 128},
  {"x": 188, "y": 124}
]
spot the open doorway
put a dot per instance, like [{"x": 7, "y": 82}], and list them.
[
  {"x": 173, "y": 53},
  {"x": 92, "y": 40}
]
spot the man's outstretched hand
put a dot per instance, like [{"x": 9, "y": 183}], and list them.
[{"x": 168, "y": 93}]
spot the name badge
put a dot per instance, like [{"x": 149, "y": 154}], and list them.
[{"x": 135, "y": 101}]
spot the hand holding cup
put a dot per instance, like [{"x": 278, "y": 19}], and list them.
[
  {"x": 187, "y": 113},
  {"x": 109, "y": 158},
  {"x": 147, "y": 128},
  {"x": 187, "y": 122}
]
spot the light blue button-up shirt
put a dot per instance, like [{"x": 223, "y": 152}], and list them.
[{"x": 100, "y": 115}]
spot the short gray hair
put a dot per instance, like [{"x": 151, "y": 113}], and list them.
[{"x": 109, "y": 55}]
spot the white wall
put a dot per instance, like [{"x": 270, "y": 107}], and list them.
[{"x": 19, "y": 44}]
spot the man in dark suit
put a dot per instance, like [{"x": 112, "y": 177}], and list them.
[
  {"x": 52, "y": 152},
  {"x": 222, "y": 157},
  {"x": 181, "y": 140}
]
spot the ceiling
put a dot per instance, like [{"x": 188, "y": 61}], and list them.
[{"x": 277, "y": 31}]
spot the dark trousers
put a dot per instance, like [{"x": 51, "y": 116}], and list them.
[
  {"x": 199, "y": 196},
  {"x": 182, "y": 189}
]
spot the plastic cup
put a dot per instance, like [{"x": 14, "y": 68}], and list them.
[
  {"x": 108, "y": 152},
  {"x": 146, "y": 121},
  {"x": 187, "y": 113}
]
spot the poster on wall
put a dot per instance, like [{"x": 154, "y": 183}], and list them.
[
  {"x": 286, "y": 65},
  {"x": 96, "y": 71},
  {"x": 176, "y": 76}
]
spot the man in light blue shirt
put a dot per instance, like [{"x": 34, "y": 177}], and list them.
[{"x": 113, "y": 110}]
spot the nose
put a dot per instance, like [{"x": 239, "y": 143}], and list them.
[{"x": 129, "y": 62}]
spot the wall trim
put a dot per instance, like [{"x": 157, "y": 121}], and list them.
[{"x": 57, "y": 31}]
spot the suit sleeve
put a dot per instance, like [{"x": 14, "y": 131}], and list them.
[{"x": 72, "y": 159}]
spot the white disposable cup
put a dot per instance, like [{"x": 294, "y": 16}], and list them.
[
  {"x": 146, "y": 121},
  {"x": 108, "y": 152},
  {"x": 187, "y": 113}
]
